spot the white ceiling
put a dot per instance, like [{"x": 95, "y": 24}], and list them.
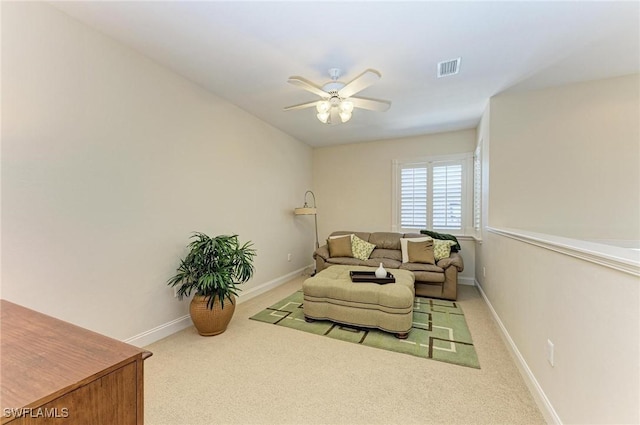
[{"x": 245, "y": 52}]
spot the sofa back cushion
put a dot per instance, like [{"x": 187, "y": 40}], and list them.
[
  {"x": 413, "y": 235},
  {"x": 362, "y": 235},
  {"x": 391, "y": 254},
  {"x": 386, "y": 240}
]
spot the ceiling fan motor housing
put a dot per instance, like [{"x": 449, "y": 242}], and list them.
[{"x": 333, "y": 87}]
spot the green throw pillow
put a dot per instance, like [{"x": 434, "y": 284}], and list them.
[
  {"x": 442, "y": 248},
  {"x": 443, "y": 236},
  {"x": 361, "y": 248}
]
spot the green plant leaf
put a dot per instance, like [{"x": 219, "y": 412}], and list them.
[{"x": 213, "y": 267}]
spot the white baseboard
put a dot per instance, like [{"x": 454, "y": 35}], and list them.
[
  {"x": 159, "y": 332},
  {"x": 254, "y": 292},
  {"x": 176, "y": 325},
  {"x": 530, "y": 380}
]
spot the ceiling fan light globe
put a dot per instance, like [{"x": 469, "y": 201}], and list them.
[
  {"x": 323, "y": 107},
  {"x": 345, "y": 116},
  {"x": 346, "y": 106},
  {"x": 323, "y": 117}
]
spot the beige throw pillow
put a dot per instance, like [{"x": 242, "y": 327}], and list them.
[
  {"x": 340, "y": 246},
  {"x": 403, "y": 246},
  {"x": 421, "y": 252}
]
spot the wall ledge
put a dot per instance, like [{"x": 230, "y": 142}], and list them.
[{"x": 621, "y": 259}]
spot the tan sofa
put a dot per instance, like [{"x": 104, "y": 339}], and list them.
[{"x": 438, "y": 281}]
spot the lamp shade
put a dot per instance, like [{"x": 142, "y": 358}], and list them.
[{"x": 305, "y": 211}]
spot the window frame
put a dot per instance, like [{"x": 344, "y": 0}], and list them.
[{"x": 466, "y": 160}]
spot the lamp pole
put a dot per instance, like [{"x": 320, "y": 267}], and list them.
[{"x": 315, "y": 215}]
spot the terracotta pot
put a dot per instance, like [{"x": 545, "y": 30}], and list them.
[{"x": 211, "y": 322}]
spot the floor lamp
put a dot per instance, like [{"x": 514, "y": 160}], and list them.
[{"x": 307, "y": 210}]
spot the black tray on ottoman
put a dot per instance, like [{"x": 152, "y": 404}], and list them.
[{"x": 363, "y": 276}]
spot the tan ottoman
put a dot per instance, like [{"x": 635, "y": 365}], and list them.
[{"x": 331, "y": 295}]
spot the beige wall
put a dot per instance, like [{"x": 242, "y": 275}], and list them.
[
  {"x": 591, "y": 315},
  {"x": 353, "y": 183},
  {"x": 110, "y": 161},
  {"x": 566, "y": 160}
]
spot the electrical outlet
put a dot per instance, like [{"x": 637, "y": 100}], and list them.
[
  {"x": 550, "y": 352},
  {"x": 288, "y": 257},
  {"x": 484, "y": 272}
]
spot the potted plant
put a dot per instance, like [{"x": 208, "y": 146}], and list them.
[{"x": 213, "y": 268}]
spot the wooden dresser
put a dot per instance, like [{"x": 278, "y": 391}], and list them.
[{"x": 53, "y": 372}]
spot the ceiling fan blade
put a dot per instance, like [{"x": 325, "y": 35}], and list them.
[
  {"x": 359, "y": 83},
  {"x": 301, "y": 105},
  {"x": 370, "y": 104},
  {"x": 308, "y": 86}
]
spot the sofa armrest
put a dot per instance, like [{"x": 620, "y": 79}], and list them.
[
  {"x": 322, "y": 252},
  {"x": 321, "y": 255},
  {"x": 454, "y": 260}
]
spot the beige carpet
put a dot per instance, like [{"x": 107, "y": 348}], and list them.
[{"x": 257, "y": 374}]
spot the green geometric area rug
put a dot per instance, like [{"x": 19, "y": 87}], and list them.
[{"x": 439, "y": 330}]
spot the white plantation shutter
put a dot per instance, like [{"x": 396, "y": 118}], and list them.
[
  {"x": 447, "y": 196},
  {"x": 477, "y": 190},
  {"x": 431, "y": 194},
  {"x": 413, "y": 197}
]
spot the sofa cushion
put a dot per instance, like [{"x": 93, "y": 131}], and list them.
[
  {"x": 361, "y": 249},
  {"x": 420, "y": 252},
  {"x": 385, "y": 240},
  {"x": 346, "y": 261},
  {"x": 362, "y": 235},
  {"x": 340, "y": 246},
  {"x": 429, "y": 277},
  {"x": 392, "y": 254},
  {"x": 421, "y": 267},
  {"x": 371, "y": 262},
  {"x": 442, "y": 248},
  {"x": 387, "y": 263}
]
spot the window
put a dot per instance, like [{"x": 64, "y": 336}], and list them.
[
  {"x": 447, "y": 196},
  {"x": 477, "y": 189},
  {"x": 431, "y": 194},
  {"x": 413, "y": 202}
]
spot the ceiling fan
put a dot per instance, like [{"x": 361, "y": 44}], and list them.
[{"x": 336, "y": 98}]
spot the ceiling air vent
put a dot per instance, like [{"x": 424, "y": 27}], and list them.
[{"x": 449, "y": 67}]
